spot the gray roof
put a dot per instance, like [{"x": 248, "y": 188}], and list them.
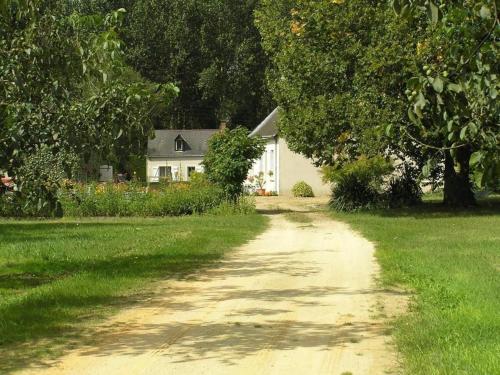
[
  {"x": 268, "y": 127},
  {"x": 195, "y": 143}
]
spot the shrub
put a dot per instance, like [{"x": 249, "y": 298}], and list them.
[
  {"x": 198, "y": 179},
  {"x": 11, "y": 205},
  {"x": 136, "y": 200},
  {"x": 230, "y": 156},
  {"x": 302, "y": 189},
  {"x": 39, "y": 179},
  {"x": 243, "y": 206},
  {"x": 404, "y": 190},
  {"x": 358, "y": 185}
]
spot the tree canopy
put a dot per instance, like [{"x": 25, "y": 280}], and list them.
[
  {"x": 346, "y": 73},
  {"x": 209, "y": 48},
  {"x": 453, "y": 93},
  {"x": 65, "y": 89}
]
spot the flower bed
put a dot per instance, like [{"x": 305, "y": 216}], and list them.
[{"x": 130, "y": 199}]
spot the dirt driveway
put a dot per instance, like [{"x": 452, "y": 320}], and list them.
[{"x": 299, "y": 299}]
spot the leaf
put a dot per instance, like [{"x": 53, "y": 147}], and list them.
[
  {"x": 388, "y": 130},
  {"x": 454, "y": 87},
  {"x": 472, "y": 129},
  {"x": 475, "y": 158},
  {"x": 412, "y": 117},
  {"x": 433, "y": 12},
  {"x": 405, "y": 10},
  {"x": 419, "y": 113},
  {"x": 463, "y": 133},
  {"x": 119, "y": 134},
  {"x": 450, "y": 125},
  {"x": 413, "y": 83},
  {"x": 485, "y": 12},
  {"x": 438, "y": 85},
  {"x": 479, "y": 178},
  {"x": 396, "y": 6},
  {"x": 493, "y": 93}
]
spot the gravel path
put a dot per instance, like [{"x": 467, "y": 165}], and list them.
[{"x": 299, "y": 299}]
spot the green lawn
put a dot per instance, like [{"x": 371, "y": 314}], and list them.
[
  {"x": 451, "y": 261},
  {"x": 57, "y": 278}
]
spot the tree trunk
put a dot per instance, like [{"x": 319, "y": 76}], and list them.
[{"x": 457, "y": 184}]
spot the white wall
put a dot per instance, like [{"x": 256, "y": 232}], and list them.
[
  {"x": 267, "y": 163},
  {"x": 178, "y": 165},
  {"x": 294, "y": 168}
]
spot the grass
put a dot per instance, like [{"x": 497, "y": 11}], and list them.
[
  {"x": 57, "y": 278},
  {"x": 450, "y": 259}
]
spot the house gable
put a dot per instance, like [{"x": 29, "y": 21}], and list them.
[{"x": 174, "y": 144}]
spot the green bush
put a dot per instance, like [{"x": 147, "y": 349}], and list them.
[
  {"x": 39, "y": 179},
  {"x": 136, "y": 200},
  {"x": 358, "y": 185},
  {"x": 404, "y": 190},
  {"x": 243, "y": 206},
  {"x": 230, "y": 156},
  {"x": 302, "y": 189}
]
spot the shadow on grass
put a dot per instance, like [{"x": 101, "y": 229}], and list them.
[
  {"x": 434, "y": 209},
  {"x": 51, "y": 299},
  {"x": 14, "y": 231},
  {"x": 54, "y": 314}
]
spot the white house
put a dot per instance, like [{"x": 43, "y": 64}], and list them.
[
  {"x": 175, "y": 154},
  {"x": 283, "y": 168}
]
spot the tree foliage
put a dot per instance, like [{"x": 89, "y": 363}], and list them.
[
  {"x": 64, "y": 87},
  {"x": 209, "y": 48},
  {"x": 454, "y": 93},
  {"x": 343, "y": 72},
  {"x": 231, "y": 154},
  {"x": 336, "y": 73}
]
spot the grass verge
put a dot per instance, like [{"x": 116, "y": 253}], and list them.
[
  {"x": 57, "y": 278},
  {"x": 451, "y": 260}
]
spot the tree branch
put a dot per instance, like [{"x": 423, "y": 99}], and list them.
[{"x": 431, "y": 146}]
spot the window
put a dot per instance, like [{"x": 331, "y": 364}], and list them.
[
  {"x": 190, "y": 171},
  {"x": 165, "y": 172},
  {"x": 179, "y": 144}
]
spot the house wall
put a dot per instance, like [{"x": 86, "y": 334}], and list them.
[
  {"x": 294, "y": 167},
  {"x": 177, "y": 165}
]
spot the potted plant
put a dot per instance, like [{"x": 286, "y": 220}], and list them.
[{"x": 260, "y": 181}]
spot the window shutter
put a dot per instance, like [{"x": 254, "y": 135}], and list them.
[
  {"x": 155, "y": 176},
  {"x": 175, "y": 173}
]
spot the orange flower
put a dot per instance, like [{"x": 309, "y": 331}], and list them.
[{"x": 297, "y": 28}]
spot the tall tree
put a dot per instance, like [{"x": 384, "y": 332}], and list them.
[
  {"x": 336, "y": 71},
  {"x": 340, "y": 69},
  {"x": 65, "y": 90},
  {"x": 454, "y": 92},
  {"x": 211, "y": 50}
]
